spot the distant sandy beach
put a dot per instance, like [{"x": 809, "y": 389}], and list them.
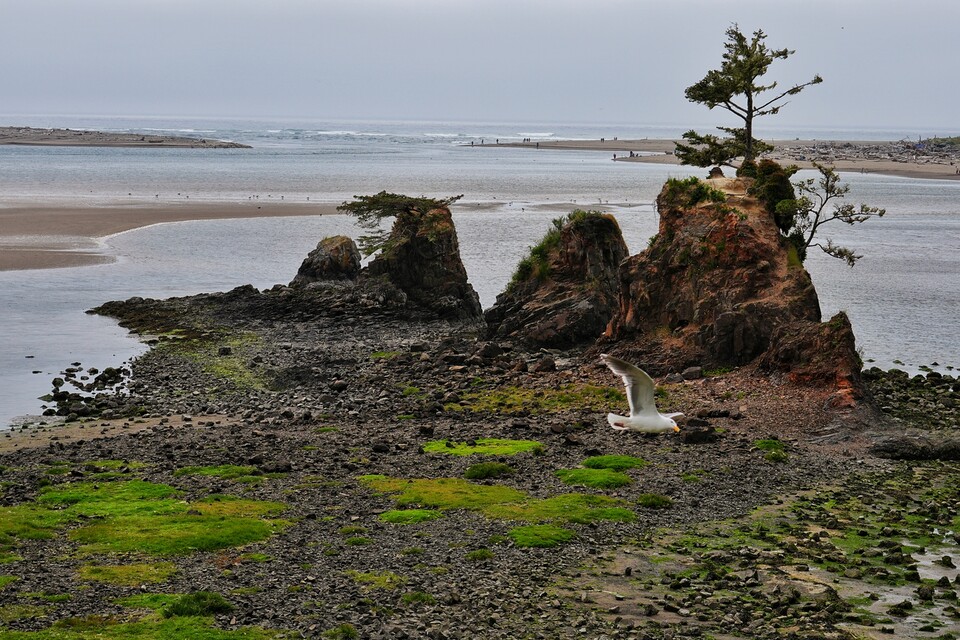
[
  {"x": 47, "y": 237},
  {"x": 37, "y": 137},
  {"x": 857, "y": 156}
]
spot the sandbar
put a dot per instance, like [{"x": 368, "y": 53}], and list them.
[
  {"x": 894, "y": 158},
  {"x": 33, "y": 136},
  {"x": 48, "y": 236}
]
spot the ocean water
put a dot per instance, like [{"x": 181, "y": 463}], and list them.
[{"x": 902, "y": 297}]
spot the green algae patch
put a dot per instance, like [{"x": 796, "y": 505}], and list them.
[
  {"x": 221, "y": 355},
  {"x": 409, "y": 516},
  {"x": 238, "y": 473},
  {"x": 174, "y": 534},
  {"x": 151, "y": 601},
  {"x": 128, "y": 575},
  {"x": 540, "y": 535},
  {"x": 614, "y": 462},
  {"x": 150, "y": 628},
  {"x": 486, "y": 470},
  {"x": 479, "y": 555},
  {"x": 137, "y": 516},
  {"x": 198, "y": 603},
  {"x": 654, "y": 501},
  {"x": 512, "y": 399},
  {"x": 108, "y": 499},
  {"x": 570, "y": 507},
  {"x": 345, "y": 631},
  {"x": 483, "y": 446},
  {"x": 5, "y": 580},
  {"x": 386, "y": 580},
  {"x": 27, "y": 522},
  {"x": 218, "y": 505},
  {"x": 443, "y": 493},
  {"x": 500, "y": 502},
  {"x": 825, "y": 562},
  {"x": 417, "y": 597},
  {"x": 594, "y": 478},
  {"x": 13, "y": 612},
  {"x": 774, "y": 450}
]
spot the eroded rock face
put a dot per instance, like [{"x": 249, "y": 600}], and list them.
[
  {"x": 336, "y": 258},
  {"x": 821, "y": 354},
  {"x": 569, "y": 300},
  {"x": 718, "y": 287},
  {"x": 422, "y": 259}
]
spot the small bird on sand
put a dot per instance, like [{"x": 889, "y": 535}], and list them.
[{"x": 644, "y": 416}]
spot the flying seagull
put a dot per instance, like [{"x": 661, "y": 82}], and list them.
[{"x": 644, "y": 416}]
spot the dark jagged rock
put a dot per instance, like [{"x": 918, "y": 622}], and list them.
[
  {"x": 567, "y": 300},
  {"x": 718, "y": 287},
  {"x": 422, "y": 259},
  {"x": 335, "y": 258},
  {"x": 818, "y": 353},
  {"x": 917, "y": 446}
]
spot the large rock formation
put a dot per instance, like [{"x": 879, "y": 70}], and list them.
[
  {"x": 422, "y": 259},
  {"x": 719, "y": 287},
  {"x": 336, "y": 258},
  {"x": 566, "y": 291}
]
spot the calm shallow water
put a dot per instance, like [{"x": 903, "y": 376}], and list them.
[{"x": 902, "y": 297}]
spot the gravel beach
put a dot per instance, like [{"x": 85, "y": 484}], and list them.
[{"x": 311, "y": 392}]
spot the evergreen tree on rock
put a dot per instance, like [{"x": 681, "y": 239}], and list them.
[{"x": 736, "y": 86}]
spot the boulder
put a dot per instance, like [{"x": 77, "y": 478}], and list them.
[
  {"x": 719, "y": 286},
  {"x": 565, "y": 293},
  {"x": 336, "y": 258},
  {"x": 422, "y": 259}
]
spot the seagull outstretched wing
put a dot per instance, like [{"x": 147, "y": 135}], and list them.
[{"x": 640, "y": 387}]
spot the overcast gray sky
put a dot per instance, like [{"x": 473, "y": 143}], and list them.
[{"x": 885, "y": 63}]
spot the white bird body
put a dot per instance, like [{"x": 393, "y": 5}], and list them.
[{"x": 644, "y": 416}]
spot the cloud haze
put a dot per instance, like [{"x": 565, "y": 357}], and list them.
[{"x": 884, "y": 62}]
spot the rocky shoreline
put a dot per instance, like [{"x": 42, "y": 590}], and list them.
[
  {"x": 366, "y": 399},
  {"x": 335, "y": 459}
]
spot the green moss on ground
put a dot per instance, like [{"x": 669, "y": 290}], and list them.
[
  {"x": 239, "y": 473},
  {"x": 137, "y": 516},
  {"x": 486, "y": 470},
  {"x": 386, "y": 580},
  {"x": 443, "y": 493},
  {"x": 540, "y": 535},
  {"x": 129, "y": 575},
  {"x": 149, "y": 628},
  {"x": 614, "y": 462},
  {"x": 568, "y": 507},
  {"x": 501, "y": 502},
  {"x": 654, "y": 501},
  {"x": 483, "y": 446},
  {"x": 594, "y": 478},
  {"x": 512, "y": 399},
  {"x": 409, "y": 516}
]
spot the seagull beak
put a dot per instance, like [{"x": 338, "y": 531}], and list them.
[{"x": 676, "y": 429}]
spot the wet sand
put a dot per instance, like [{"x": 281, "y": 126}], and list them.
[{"x": 47, "y": 237}]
